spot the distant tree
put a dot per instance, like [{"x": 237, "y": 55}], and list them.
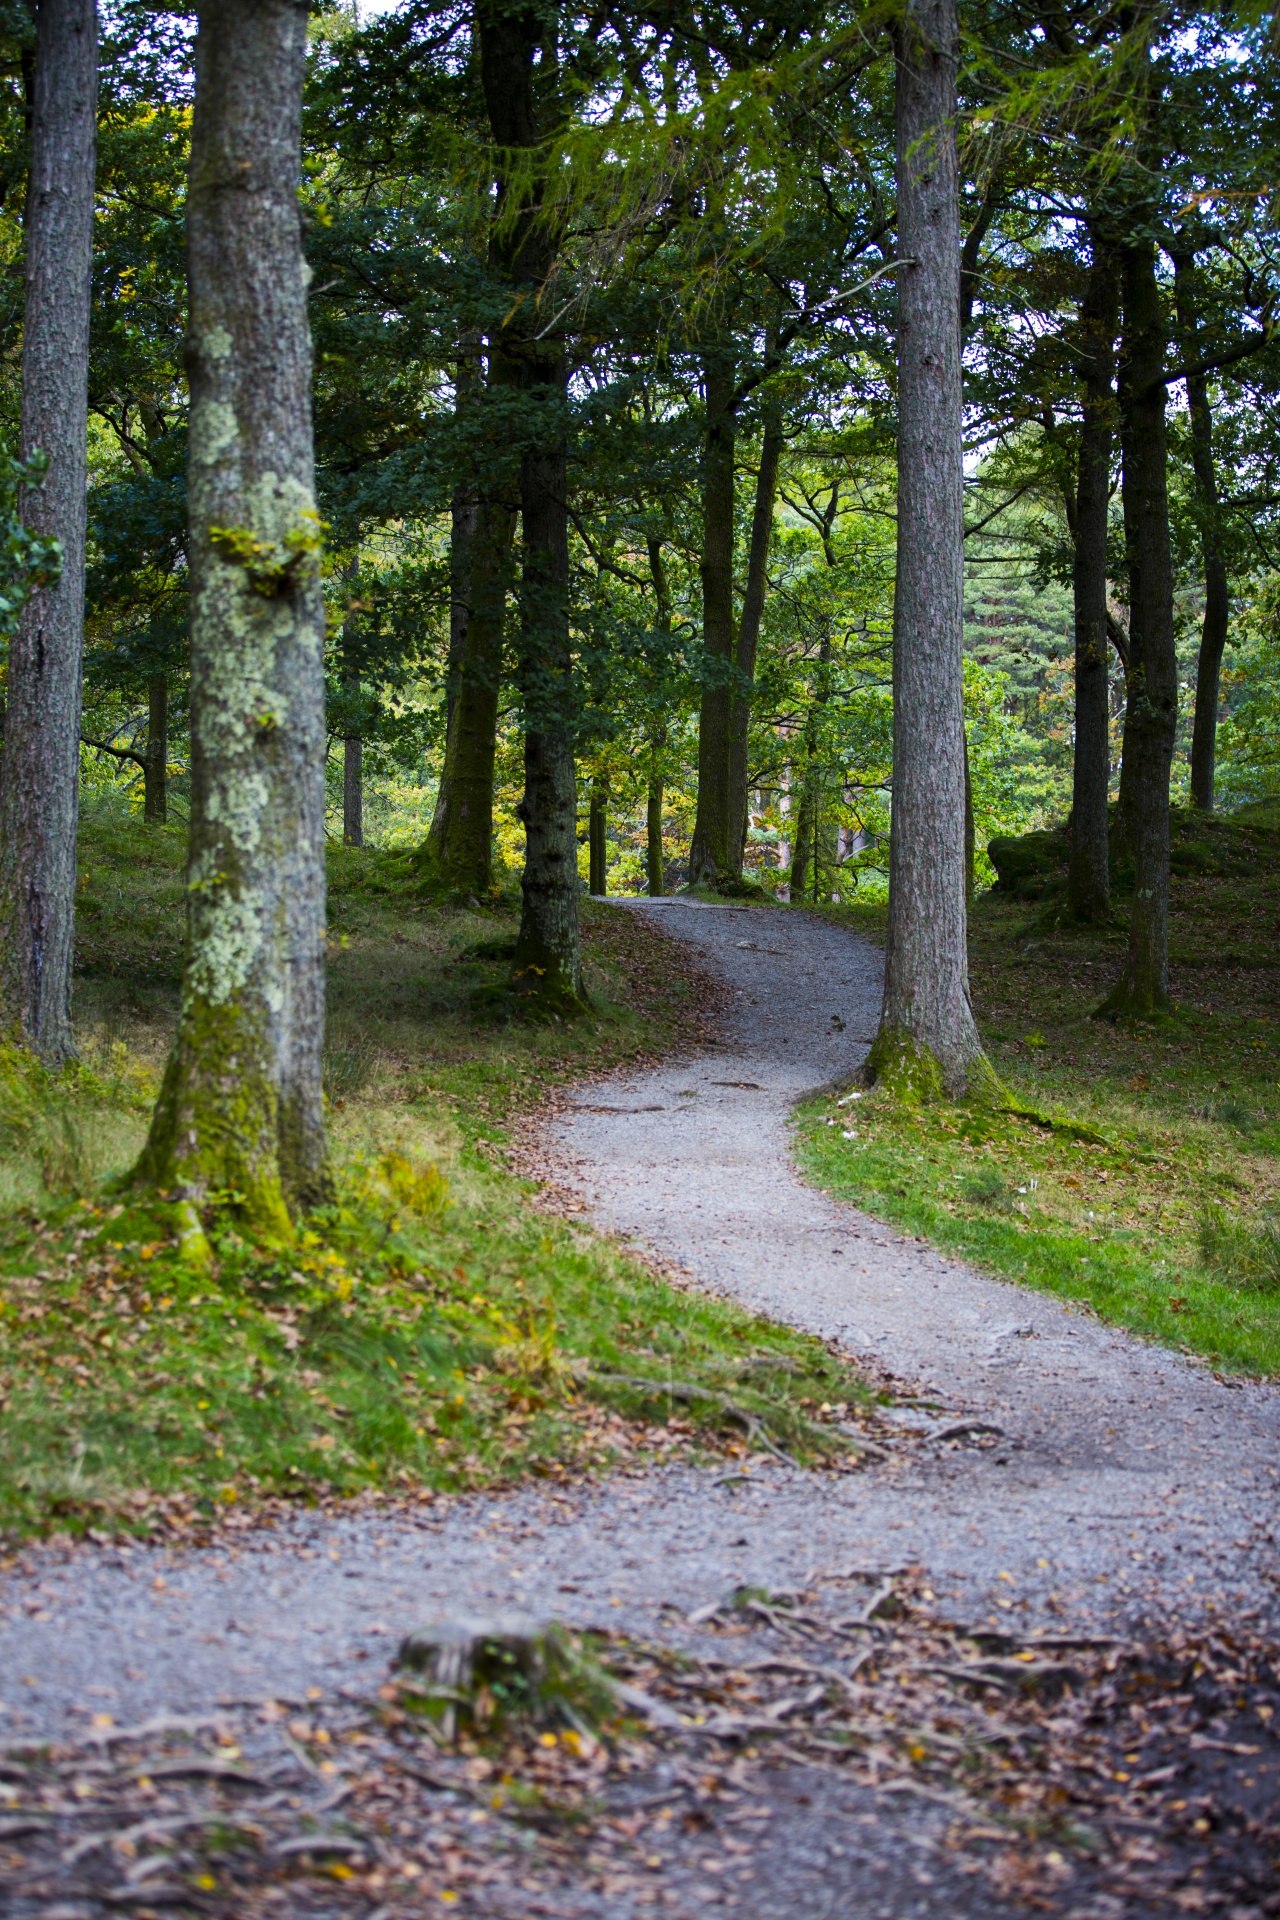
[
  {"x": 39, "y": 788},
  {"x": 240, "y": 1109}
]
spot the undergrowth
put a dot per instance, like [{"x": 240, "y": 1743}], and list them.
[{"x": 430, "y": 1330}]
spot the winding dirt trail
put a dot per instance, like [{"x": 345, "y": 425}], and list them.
[{"x": 1128, "y": 1485}]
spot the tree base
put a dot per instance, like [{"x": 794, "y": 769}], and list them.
[
  {"x": 913, "y": 1074},
  {"x": 1151, "y": 1006}
]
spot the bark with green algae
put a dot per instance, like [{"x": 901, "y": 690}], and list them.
[
  {"x": 1151, "y": 711},
  {"x": 1089, "y": 872},
  {"x": 39, "y": 793},
  {"x": 240, "y": 1110},
  {"x": 928, "y": 1043},
  {"x": 656, "y": 878}
]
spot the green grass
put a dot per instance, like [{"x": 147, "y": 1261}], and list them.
[
  {"x": 1164, "y": 1222},
  {"x": 431, "y": 1329}
]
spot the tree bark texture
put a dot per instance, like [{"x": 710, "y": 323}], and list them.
[
  {"x": 458, "y": 855},
  {"x": 353, "y": 791},
  {"x": 39, "y": 794},
  {"x": 1217, "y": 596},
  {"x": 240, "y": 1111},
  {"x": 353, "y": 744},
  {"x": 155, "y": 764},
  {"x": 522, "y": 101},
  {"x": 1151, "y": 711},
  {"x": 653, "y": 838},
  {"x": 749, "y": 629},
  {"x": 597, "y": 842},
  {"x": 712, "y": 846},
  {"x": 1089, "y": 873},
  {"x": 928, "y": 1043}
]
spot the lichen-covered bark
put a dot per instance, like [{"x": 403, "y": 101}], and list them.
[
  {"x": 1089, "y": 874},
  {"x": 40, "y": 789},
  {"x": 1151, "y": 711},
  {"x": 711, "y": 847},
  {"x": 928, "y": 1042},
  {"x": 240, "y": 1112}
]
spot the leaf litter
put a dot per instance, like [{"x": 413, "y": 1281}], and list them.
[{"x": 846, "y": 1737}]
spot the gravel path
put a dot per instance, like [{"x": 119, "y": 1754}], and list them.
[{"x": 1126, "y": 1484}]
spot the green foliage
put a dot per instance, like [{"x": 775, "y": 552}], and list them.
[{"x": 27, "y": 560}]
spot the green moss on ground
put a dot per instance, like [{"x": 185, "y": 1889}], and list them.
[
  {"x": 1151, "y": 1200},
  {"x": 430, "y": 1329}
]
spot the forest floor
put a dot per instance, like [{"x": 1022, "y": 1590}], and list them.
[{"x": 1006, "y": 1644}]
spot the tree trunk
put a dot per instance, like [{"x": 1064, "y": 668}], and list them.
[
  {"x": 749, "y": 627},
  {"x": 155, "y": 768},
  {"x": 464, "y": 518},
  {"x": 353, "y": 791},
  {"x": 802, "y": 852},
  {"x": 353, "y": 744},
  {"x": 597, "y": 841},
  {"x": 1217, "y": 598},
  {"x": 928, "y": 1043},
  {"x": 458, "y": 855},
  {"x": 711, "y": 849},
  {"x": 653, "y": 837},
  {"x": 1089, "y": 875},
  {"x": 970, "y": 833},
  {"x": 1151, "y": 714},
  {"x": 519, "y": 76},
  {"x": 658, "y": 739},
  {"x": 240, "y": 1111},
  {"x": 39, "y": 796}
]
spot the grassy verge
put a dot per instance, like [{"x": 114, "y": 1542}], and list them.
[
  {"x": 430, "y": 1330},
  {"x": 1164, "y": 1220}
]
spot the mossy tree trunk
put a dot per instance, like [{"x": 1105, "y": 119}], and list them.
[
  {"x": 928, "y": 1043},
  {"x": 520, "y": 79},
  {"x": 653, "y": 837},
  {"x": 240, "y": 1110},
  {"x": 1151, "y": 712},
  {"x": 748, "y": 640},
  {"x": 1217, "y": 593},
  {"x": 155, "y": 761},
  {"x": 39, "y": 793},
  {"x": 712, "y": 846},
  {"x": 1089, "y": 873}
]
